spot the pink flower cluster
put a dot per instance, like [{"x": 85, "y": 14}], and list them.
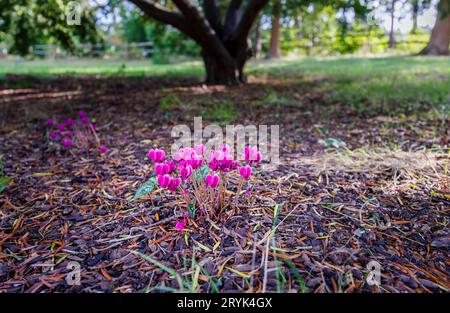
[
  {"x": 209, "y": 189},
  {"x": 79, "y": 132}
]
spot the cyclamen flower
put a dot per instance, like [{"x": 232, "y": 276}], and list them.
[
  {"x": 61, "y": 127},
  {"x": 67, "y": 143},
  {"x": 212, "y": 181},
  {"x": 220, "y": 159},
  {"x": 156, "y": 155},
  {"x": 186, "y": 172},
  {"x": 252, "y": 154},
  {"x": 174, "y": 183},
  {"x": 199, "y": 149},
  {"x": 68, "y": 133},
  {"x": 50, "y": 122},
  {"x": 180, "y": 225},
  {"x": 84, "y": 120},
  {"x": 163, "y": 180},
  {"x": 196, "y": 161},
  {"x": 245, "y": 171},
  {"x": 82, "y": 114},
  {"x": 69, "y": 122},
  {"x": 102, "y": 149},
  {"x": 164, "y": 168},
  {"x": 54, "y": 135}
]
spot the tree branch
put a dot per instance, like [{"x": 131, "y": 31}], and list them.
[
  {"x": 161, "y": 14},
  {"x": 248, "y": 19},
  {"x": 208, "y": 38},
  {"x": 232, "y": 18},
  {"x": 212, "y": 14}
]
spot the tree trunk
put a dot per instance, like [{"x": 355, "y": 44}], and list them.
[
  {"x": 415, "y": 14},
  {"x": 392, "y": 43},
  {"x": 224, "y": 42},
  {"x": 218, "y": 73},
  {"x": 274, "y": 49},
  {"x": 440, "y": 36},
  {"x": 257, "y": 44}
]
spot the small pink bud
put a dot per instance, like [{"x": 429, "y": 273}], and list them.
[
  {"x": 102, "y": 149},
  {"x": 67, "y": 143},
  {"x": 69, "y": 122},
  {"x": 180, "y": 225}
]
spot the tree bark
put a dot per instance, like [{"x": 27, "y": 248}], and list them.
[
  {"x": 225, "y": 46},
  {"x": 274, "y": 49},
  {"x": 392, "y": 42},
  {"x": 257, "y": 44},
  {"x": 415, "y": 14},
  {"x": 440, "y": 36}
]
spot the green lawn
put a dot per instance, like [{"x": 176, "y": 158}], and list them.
[{"x": 381, "y": 83}]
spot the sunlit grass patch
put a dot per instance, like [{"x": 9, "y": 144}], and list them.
[{"x": 397, "y": 168}]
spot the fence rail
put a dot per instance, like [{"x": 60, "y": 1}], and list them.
[
  {"x": 142, "y": 50},
  {"x": 132, "y": 50}
]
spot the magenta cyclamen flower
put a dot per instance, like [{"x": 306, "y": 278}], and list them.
[
  {"x": 54, "y": 135},
  {"x": 180, "y": 225},
  {"x": 82, "y": 114},
  {"x": 174, "y": 183},
  {"x": 68, "y": 133},
  {"x": 212, "y": 181},
  {"x": 69, "y": 122},
  {"x": 156, "y": 155},
  {"x": 163, "y": 180},
  {"x": 50, "y": 122},
  {"x": 164, "y": 168},
  {"x": 84, "y": 120},
  {"x": 252, "y": 154},
  {"x": 61, "y": 127},
  {"x": 186, "y": 172},
  {"x": 67, "y": 143},
  {"x": 245, "y": 171},
  {"x": 102, "y": 149}
]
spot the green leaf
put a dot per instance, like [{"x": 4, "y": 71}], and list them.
[
  {"x": 191, "y": 210},
  {"x": 4, "y": 181},
  {"x": 201, "y": 173},
  {"x": 146, "y": 188},
  {"x": 163, "y": 267}
]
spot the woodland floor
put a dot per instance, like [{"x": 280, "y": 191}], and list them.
[{"x": 384, "y": 198}]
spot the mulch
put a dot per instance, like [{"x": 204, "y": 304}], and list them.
[{"x": 303, "y": 230}]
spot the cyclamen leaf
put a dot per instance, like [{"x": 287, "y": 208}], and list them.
[
  {"x": 201, "y": 173},
  {"x": 4, "y": 181},
  {"x": 146, "y": 188},
  {"x": 191, "y": 210}
]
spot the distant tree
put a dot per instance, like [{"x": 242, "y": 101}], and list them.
[
  {"x": 440, "y": 35},
  {"x": 274, "y": 48},
  {"x": 417, "y": 8},
  {"x": 25, "y": 23},
  {"x": 224, "y": 41}
]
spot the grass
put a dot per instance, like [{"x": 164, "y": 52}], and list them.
[
  {"x": 49, "y": 68},
  {"x": 4, "y": 181},
  {"x": 393, "y": 85}
]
